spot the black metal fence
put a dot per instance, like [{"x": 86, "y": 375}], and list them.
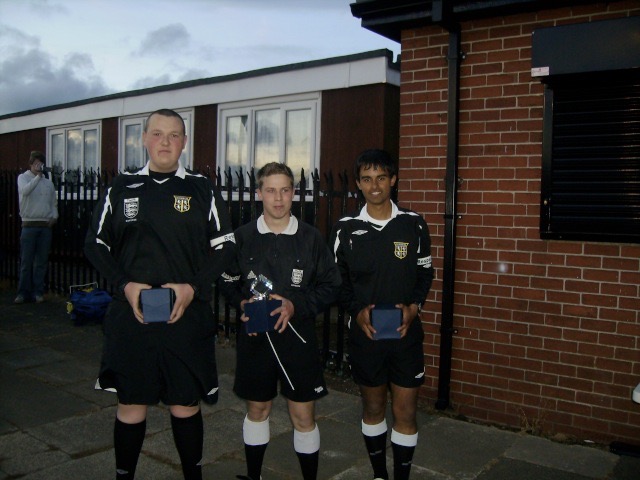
[{"x": 319, "y": 203}]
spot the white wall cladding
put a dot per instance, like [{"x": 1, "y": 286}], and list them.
[{"x": 317, "y": 76}]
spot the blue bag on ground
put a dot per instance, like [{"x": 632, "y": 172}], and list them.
[{"x": 88, "y": 304}]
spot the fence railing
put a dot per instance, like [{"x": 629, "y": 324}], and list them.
[{"x": 320, "y": 203}]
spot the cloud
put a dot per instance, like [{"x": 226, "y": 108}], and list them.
[
  {"x": 169, "y": 40},
  {"x": 31, "y": 78}
]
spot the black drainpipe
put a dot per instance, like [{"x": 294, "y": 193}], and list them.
[{"x": 447, "y": 331}]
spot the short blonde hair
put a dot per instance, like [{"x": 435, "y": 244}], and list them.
[{"x": 273, "y": 168}]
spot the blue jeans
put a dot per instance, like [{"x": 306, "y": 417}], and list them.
[{"x": 35, "y": 243}]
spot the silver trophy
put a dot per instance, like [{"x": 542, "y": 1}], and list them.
[{"x": 261, "y": 287}]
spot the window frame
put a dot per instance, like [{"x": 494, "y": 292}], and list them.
[
  {"x": 284, "y": 104},
  {"x": 61, "y": 174}
]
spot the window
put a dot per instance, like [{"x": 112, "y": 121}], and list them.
[
  {"x": 132, "y": 153},
  {"x": 74, "y": 151},
  {"x": 282, "y": 130},
  {"x": 591, "y": 157}
]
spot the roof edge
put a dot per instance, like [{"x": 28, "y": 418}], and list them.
[{"x": 389, "y": 17}]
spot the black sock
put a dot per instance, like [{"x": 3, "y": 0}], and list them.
[
  {"x": 402, "y": 457},
  {"x": 254, "y": 455},
  {"x": 188, "y": 434},
  {"x": 127, "y": 442},
  {"x": 309, "y": 464},
  {"x": 376, "y": 446}
]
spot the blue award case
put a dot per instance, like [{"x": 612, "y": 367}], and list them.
[
  {"x": 259, "y": 313},
  {"x": 386, "y": 319},
  {"x": 156, "y": 304}
]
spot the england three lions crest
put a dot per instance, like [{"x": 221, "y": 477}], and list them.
[
  {"x": 400, "y": 249},
  {"x": 181, "y": 203},
  {"x": 131, "y": 207},
  {"x": 296, "y": 277}
]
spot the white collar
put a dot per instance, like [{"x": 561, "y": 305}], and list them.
[
  {"x": 364, "y": 215},
  {"x": 291, "y": 229}
]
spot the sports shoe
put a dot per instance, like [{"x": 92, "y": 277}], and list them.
[
  {"x": 39, "y": 299},
  {"x": 19, "y": 299}
]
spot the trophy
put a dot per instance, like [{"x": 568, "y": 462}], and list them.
[{"x": 259, "y": 311}]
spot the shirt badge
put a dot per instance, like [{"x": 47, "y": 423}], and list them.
[
  {"x": 131, "y": 207},
  {"x": 181, "y": 203},
  {"x": 296, "y": 276},
  {"x": 400, "y": 249}
]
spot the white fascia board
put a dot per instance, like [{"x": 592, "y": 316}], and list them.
[{"x": 323, "y": 77}]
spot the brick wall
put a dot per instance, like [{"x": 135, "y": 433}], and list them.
[{"x": 548, "y": 332}]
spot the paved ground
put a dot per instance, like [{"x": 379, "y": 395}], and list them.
[{"x": 54, "y": 425}]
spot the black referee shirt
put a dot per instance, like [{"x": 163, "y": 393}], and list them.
[
  {"x": 154, "y": 228},
  {"x": 382, "y": 262}
]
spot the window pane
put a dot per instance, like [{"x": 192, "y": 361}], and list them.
[
  {"x": 57, "y": 151},
  {"x": 298, "y": 142},
  {"x": 57, "y": 155},
  {"x": 267, "y": 148},
  {"x": 91, "y": 150},
  {"x": 237, "y": 145},
  {"x": 74, "y": 155},
  {"x": 74, "y": 149},
  {"x": 133, "y": 147}
]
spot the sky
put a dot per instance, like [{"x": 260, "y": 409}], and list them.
[{"x": 59, "y": 51}]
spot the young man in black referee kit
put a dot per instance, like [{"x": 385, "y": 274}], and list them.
[
  {"x": 279, "y": 254},
  {"x": 384, "y": 257},
  {"x": 164, "y": 227}
]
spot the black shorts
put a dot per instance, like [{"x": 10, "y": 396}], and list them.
[
  {"x": 294, "y": 361},
  {"x": 379, "y": 362},
  {"x": 149, "y": 363}
]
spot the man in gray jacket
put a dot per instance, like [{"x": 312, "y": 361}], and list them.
[{"x": 39, "y": 212}]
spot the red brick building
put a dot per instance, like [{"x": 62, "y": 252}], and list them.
[{"x": 537, "y": 265}]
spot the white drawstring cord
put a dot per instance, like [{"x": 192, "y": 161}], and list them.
[
  {"x": 279, "y": 362},
  {"x": 296, "y": 332}
]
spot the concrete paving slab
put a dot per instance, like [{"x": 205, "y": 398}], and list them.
[
  {"x": 339, "y": 406},
  {"x": 6, "y": 427},
  {"x": 79, "y": 436},
  {"x": 85, "y": 343},
  {"x": 223, "y": 436},
  {"x": 225, "y": 468},
  {"x": 101, "y": 467},
  {"x": 22, "y": 454},
  {"x": 627, "y": 468},
  {"x": 10, "y": 342},
  {"x": 586, "y": 461},
  {"x": 62, "y": 373},
  {"x": 507, "y": 468},
  {"x": 26, "y": 402},
  {"x": 459, "y": 449},
  {"x": 338, "y": 451},
  {"x": 31, "y": 357}
]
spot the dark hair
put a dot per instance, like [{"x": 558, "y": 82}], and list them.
[
  {"x": 375, "y": 158},
  {"x": 166, "y": 112},
  {"x": 36, "y": 155},
  {"x": 273, "y": 168}
]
